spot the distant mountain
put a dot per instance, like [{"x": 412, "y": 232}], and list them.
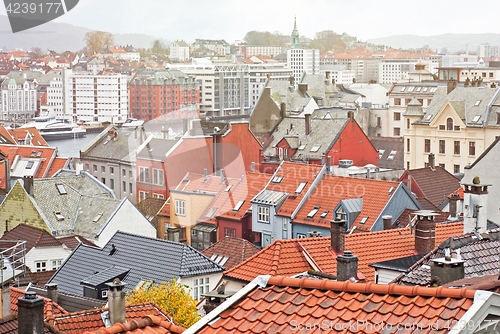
[
  {"x": 450, "y": 42},
  {"x": 61, "y": 37}
]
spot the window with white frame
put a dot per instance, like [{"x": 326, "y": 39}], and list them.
[
  {"x": 263, "y": 214},
  {"x": 56, "y": 264},
  {"x": 158, "y": 177},
  {"x": 180, "y": 207},
  {"x": 160, "y": 196},
  {"x": 144, "y": 174},
  {"x": 200, "y": 286},
  {"x": 104, "y": 293},
  {"x": 41, "y": 266}
]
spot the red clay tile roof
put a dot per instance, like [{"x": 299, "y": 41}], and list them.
[
  {"x": 91, "y": 320},
  {"x": 148, "y": 325},
  {"x": 9, "y": 325},
  {"x": 165, "y": 209},
  {"x": 332, "y": 189},
  {"x": 57, "y": 164},
  {"x": 33, "y": 236},
  {"x": 288, "y": 257},
  {"x": 288, "y": 305},
  {"x": 293, "y": 174},
  {"x": 435, "y": 183},
  {"x": 242, "y": 190},
  {"x": 402, "y": 220},
  {"x": 47, "y": 155},
  {"x": 237, "y": 249},
  {"x": 50, "y": 309},
  {"x": 21, "y": 133}
]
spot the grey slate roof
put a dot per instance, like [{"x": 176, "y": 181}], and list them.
[
  {"x": 122, "y": 149},
  {"x": 324, "y": 132},
  {"x": 281, "y": 91},
  {"x": 106, "y": 275},
  {"x": 156, "y": 149},
  {"x": 465, "y": 101},
  {"x": 480, "y": 255},
  {"x": 85, "y": 197},
  {"x": 147, "y": 258}
]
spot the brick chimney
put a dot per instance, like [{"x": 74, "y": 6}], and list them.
[
  {"x": 452, "y": 84},
  {"x": 116, "y": 301},
  {"x": 283, "y": 110},
  {"x": 337, "y": 232},
  {"x": 387, "y": 219},
  {"x": 28, "y": 184},
  {"x": 475, "y": 206},
  {"x": 30, "y": 314},
  {"x": 52, "y": 293},
  {"x": 425, "y": 231},
  {"x": 307, "y": 123},
  {"x": 347, "y": 266},
  {"x": 454, "y": 198},
  {"x": 303, "y": 89}
]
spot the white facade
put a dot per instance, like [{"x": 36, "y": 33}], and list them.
[
  {"x": 459, "y": 60},
  {"x": 46, "y": 258},
  {"x": 395, "y": 70},
  {"x": 88, "y": 97},
  {"x": 19, "y": 99},
  {"x": 487, "y": 50},
  {"x": 302, "y": 61},
  {"x": 126, "y": 218},
  {"x": 341, "y": 76},
  {"x": 201, "y": 284},
  {"x": 179, "y": 51}
]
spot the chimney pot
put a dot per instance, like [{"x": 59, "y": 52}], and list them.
[
  {"x": 52, "y": 292},
  {"x": 387, "y": 219},
  {"x": 30, "y": 314},
  {"x": 347, "y": 266},
  {"x": 116, "y": 301}
]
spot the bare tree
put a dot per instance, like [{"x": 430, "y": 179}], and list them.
[{"x": 98, "y": 41}]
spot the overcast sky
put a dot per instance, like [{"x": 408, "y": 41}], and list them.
[{"x": 231, "y": 20}]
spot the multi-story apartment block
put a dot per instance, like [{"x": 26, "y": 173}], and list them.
[
  {"x": 462, "y": 60},
  {"x": 218, "y": 47},
  {"x": 225, "y": 88},
  {"x": 19, "y": 96},
  {"x": 86, "y": 96},
  {"x": 260, "y": 73},
  {"x": 338, "y": 73},
  {"x": 301, "y": 60},
  {"x": 487, "y": 50},
  {"x": 128, "y": 53},
  {"x": 459, "y": 124},
  {"x": 395, "y": 70},
  {"x": 161, "y": 94},
  {"x": 247, "y": 51},
  {"x": 179, "y": 51}
]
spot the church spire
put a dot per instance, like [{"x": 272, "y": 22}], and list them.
[{"x": 295, "y": 34}]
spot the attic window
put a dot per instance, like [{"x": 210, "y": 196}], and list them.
[
  {"x": 61, "y": 189},
  {"x": 211, "y": 213},
  {"x": 39, "y": 154},
  {"x": 411, "y": 88},
  {"x": 428, "y": 117},
  {"x": 476, "y": 118},
  {"x": 96, "y": 218},
  {"x": 390, "y": 190},
  {"x": 433, "y": 89},
  {"x": 277, "y": 179},
  {"x": 301, "y": 187},
  {"x": 33, "y": 153},
  {"x": 478, "y": 102},
  {"x": 238, "y": 205},
  {"x": 301, "y": 147},
  {"x": 29, "y": 165},
  {"x": 58, "y": 215},
  {"x": 313, "y": 212},
  {"x": 362, "y": 221},
  {"x": 418, "y": 89},
  {"x": 228, "y": 188},
  {"x": 315, "y": 148},
  {"x": 424, "y": 89},
  {"x": 324, "y": 214},
  {"x": 402, "y": 89}
]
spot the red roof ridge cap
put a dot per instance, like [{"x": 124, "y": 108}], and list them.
[
  {"x": 276, "y": 257},
  {"x": 390, "y": 289}
]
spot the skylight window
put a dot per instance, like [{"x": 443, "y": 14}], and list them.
[
  {"x": 228, "y": 188},
  {"x": 390, "y": 157},
  {"x": 58, "y": 215},
  {"x": 418, "y": 89},
  {"x": 428, "y": 117},
  {"x": 238, "y": 205},
  {"x": 277, "y": 179},
  {"x": 29, "y": 165},
  {"x": 476, "y": 118},
  {"x": 393, "y": 152},
  {"x": 39, "y": 154},
  {"x": 324, "y": 214},
  {"x": 411, "y": 88},
  {"x": 313, "y": 212},
  {"x": 61, "y": 189},
  {"x": 478, "y": 102},
  {"x": 402, "y": 89},
  {"x": 33, "y": 153},
  {"x": 97, "y": 217},
  {"x": 433, "y": 89},
  {"x": 301, "y": 147},
  {"x": 424, "y": 89},
  {"x": 301, "y": 187},
  {"x": 211, "y": 213},
  {"x": 315, "y": 148},
  {"x": 362, "y": 221}
]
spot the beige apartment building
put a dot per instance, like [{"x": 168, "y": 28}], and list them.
[{"x": 459, "y": 124}]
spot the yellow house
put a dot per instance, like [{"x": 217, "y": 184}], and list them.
[{"x": 457, "y": 127}]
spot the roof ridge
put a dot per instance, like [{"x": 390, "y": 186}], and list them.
[
  {"x": 276, "y": 257},
  {"x": 390, "y": 289}
]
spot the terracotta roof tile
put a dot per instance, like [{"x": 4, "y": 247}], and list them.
[
  {"x": 33, "y": 236},
  {"x": 148, "y": 325},
  {"x": 332, "y": 189},
  {"x": 91, "y": 320},
  {"x": 236, "y": 249},
  {"x": 57, "y": 164},
  {"x": 286, "y": 257},
  {"x": 292, "y": 304},
  {"x": 50, "y": 308},
  {"x": 46, "y": 156}
]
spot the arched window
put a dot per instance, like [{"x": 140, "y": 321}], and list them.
[{"x": 449, "y": 124}]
